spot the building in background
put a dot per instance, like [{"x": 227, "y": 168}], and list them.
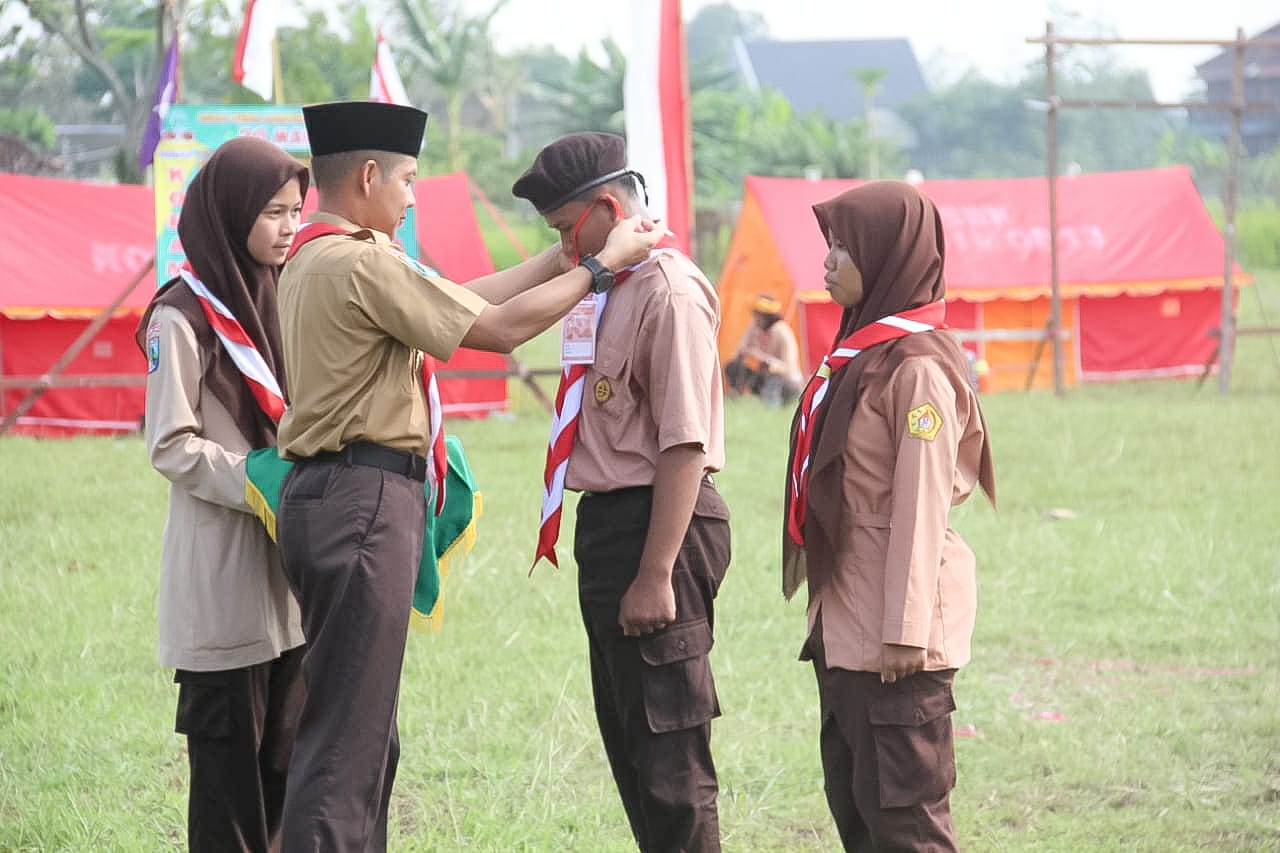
[
  {"x": 824, "y": 75},
  {"x": 1259, "y": 129}
]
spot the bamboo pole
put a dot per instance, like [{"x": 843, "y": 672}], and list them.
[
  {"x": 1226, "y": 325},
  {"x": 1054, "y": 329}
]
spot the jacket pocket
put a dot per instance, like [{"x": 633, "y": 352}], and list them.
[
  {"x": 915, "y": 753},
  {"x": 679, "y": 692}
]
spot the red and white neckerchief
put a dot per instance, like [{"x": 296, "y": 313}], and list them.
[
  {"x": 922, "y": 319},
  {"x": 244, "y": 353},
  {"x": 564, "y": 431},
  {"x": 439, "y": 456}
]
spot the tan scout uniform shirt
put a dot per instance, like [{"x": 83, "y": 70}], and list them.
[
  {"x": 224, "y": 601},
  {"x": 656, "y": 380},
  {"x": 900, "y": 574},
  {"x": 777, "y": 342},
  {"x": 354, "y": 314}
]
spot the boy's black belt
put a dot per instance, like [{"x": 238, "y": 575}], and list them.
[{"x": 374, "y": 455}]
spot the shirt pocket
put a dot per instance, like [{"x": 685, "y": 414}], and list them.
[
  {"x": 868, "y": 542},
  {"x": 608, "y": 390}
]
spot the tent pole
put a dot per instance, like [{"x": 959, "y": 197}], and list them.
[
  {"x": 72, "y": 351},
  {"x": 2, "y": 395},
  {"x": 1226, "y": 325},
  {"x": 1055, "y": 297}
]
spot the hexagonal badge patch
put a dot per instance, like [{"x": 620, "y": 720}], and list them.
[{"x": 924, "y": 422}]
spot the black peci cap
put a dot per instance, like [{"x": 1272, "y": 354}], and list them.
[
  {"x": 572, "y": 165},
  {"x": 340, "y": 126}
]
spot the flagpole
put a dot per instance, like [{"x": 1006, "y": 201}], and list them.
[{"x": 277, "y": 70}]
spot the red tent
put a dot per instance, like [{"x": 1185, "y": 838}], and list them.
[
  {"x": 1140, "y": 270},
  {"x": 68, "y": 249}
]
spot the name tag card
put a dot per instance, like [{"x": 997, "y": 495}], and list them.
[{"x": 578, "y": 333}]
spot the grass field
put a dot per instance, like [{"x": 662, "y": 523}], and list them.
[{"x": 1124, "y": 694}]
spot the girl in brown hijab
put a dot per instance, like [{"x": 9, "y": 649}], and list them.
[
  {"x": 887, "y": 438},
  {"x": 228, "y": 623}
]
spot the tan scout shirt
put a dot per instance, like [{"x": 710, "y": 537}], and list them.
[
  {"x": 656, "y": 381},
  {"x": 354, "y": 314},
  {"x": 901, "y": 574},
  {"x": 224, "y": 602},
  {"x": 779, "y": 343}
]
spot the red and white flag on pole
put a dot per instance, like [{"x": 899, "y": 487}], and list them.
[
  {"x": 384, "y": 83},
  {"x": 656, "y": 105},
  {"x": 254, "y": 65}
]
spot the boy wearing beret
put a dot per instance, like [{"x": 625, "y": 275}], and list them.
[{"x": 652, "y": 534}]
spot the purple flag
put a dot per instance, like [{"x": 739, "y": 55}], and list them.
[{"x": 166, "y": 94}]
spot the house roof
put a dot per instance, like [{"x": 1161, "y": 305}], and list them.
[
  {"x": 1258, "y": 61},
  {"x": 820, "y": 74}
]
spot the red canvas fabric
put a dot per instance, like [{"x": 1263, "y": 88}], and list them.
[
  {"x": 1128, "y": 241},
  {"x": 68, "y": 248}
]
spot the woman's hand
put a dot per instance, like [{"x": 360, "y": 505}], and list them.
[{"x": 900, "y": 661}]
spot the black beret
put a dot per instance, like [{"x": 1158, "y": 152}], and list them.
[
  {"x": 570, "y": 166},
  {"x": 364, "y": 126}
]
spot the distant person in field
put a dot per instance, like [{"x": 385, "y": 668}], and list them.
[
  {"x": 652, "y": 534},
  {"x": 228, "y": 623},
  {"x": 767, "y": 359},
  {"x": 888, "y": 436}
]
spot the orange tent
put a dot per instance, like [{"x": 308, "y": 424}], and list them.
[{"x": 1140, "y": 271}]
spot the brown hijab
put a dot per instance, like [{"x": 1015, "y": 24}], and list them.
[
  {"x": 894, "y": 235},
  {"x": 222, "y": 204}
]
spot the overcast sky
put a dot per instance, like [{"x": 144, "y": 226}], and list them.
[{"x": 947, "y": 36}]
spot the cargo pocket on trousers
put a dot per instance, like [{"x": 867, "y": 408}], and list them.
[
  {"x": 679, "y": 692},
  {"x": 915, "y": 755},
  {"x": 204, "y": 706}
]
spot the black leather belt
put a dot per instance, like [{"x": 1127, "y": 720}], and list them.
[{"x": 373, "y": 455}]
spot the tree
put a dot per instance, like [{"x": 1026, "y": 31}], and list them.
[
  {"x": 585, "y": 94},
  {"x": 869, "y": 80},
  {"x": 710, "y": 34},
  {"x": 118, "y": 47},
  {"x": 452, "y": 49},
  {"x": 978, "y": 128}
]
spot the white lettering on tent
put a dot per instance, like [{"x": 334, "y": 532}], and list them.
[
  {"x": 117, "y": 257},
  {"x": 991, "y": 228}
]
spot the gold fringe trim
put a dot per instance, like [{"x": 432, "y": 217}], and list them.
[
  {"x": 258, "y": 503},
  {"x": 429, "y": 623}
]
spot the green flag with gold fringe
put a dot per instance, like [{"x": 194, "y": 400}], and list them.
[{"x": 448, "y": 536}]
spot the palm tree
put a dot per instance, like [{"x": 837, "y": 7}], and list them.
[
  {"x": 869, "y": 79},
  {"x": 452, "y": 49}
]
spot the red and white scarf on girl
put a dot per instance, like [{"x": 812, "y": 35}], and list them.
[
  {"x": 439, "y": 467},
  {"x": 922, "y": 319},
  {"x": 244, "y": 353},
  {"x": 564, "y": 431}
]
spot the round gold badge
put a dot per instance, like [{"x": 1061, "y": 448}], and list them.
[{"x": 603, "y": 391}]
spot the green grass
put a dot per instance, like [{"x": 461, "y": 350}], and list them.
[{"x": 1124, "y": 693}]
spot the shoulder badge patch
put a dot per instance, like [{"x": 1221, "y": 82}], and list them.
[
  {"x": 417, "y": 266},
  {"x": 924, "y": 422},
  {"x": 603, "y": 391},
  {"x": 153, "y": 346}
]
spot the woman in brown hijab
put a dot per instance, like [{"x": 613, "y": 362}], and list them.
[
  {"x": 887, "y": 438},
  {"x": 228, "y": 623}
]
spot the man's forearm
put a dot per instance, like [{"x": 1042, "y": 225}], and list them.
[
  {"x": 532, "y": 312},
  {"x": 502, "y": 285}
]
